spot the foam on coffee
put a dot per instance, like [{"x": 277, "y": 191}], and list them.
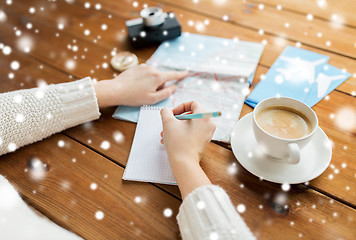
[{"x": 284, "y": 122}]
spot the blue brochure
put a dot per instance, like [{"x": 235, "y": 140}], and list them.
[
  {"x": 131, "y": 113},
  {"x": 293, "y": 75},
  {"x": 326, "y": 81}
]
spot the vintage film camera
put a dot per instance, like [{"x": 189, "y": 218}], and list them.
[{"x": 154, "y": 26}]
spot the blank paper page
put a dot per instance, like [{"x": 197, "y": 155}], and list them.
[{"x": 148, "y": 158}]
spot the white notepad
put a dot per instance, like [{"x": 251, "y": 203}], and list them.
[{"x": 148, "y": 158}]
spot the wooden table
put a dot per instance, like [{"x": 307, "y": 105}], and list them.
[{"x": 47, "y": 37}]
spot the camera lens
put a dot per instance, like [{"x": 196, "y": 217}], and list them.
[{"x": 153, "y": 16}]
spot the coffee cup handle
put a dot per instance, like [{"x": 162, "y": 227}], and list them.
[{"x": 294, "y": 153}]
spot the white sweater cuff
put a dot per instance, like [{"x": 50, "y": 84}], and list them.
[
  {"x": 208, "y": 212},
  {"x": 78, "y": 102}
]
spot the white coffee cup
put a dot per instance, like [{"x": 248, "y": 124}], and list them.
[{"x": 287, "y": 150}]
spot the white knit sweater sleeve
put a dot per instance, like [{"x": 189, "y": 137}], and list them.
[
  {"x": 27, "y": 116},
  {"x": 207, "y": 213}
]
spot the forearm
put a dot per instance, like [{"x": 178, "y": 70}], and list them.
[
  {"x": 189, "y": 175},
  {"x": 106, "y": 95},
  {"x": 27, "y": 116}
]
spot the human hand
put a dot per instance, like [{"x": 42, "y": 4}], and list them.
[
  {"x": 185, "y": 140},
  {"x": 137, "y": 86}
]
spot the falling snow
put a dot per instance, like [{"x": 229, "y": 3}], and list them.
[
  {"x": 3, "y": 16},
  {"x": 25, "y": 43},
  {"x": 213, "y": 236},
  {"x": 167, "y": 212},
  {"x": 201, "y": 205},
  {"x": 232, "y": 169},
  {"x": 118, "y": 137},
  {"x": 241, "y": 208},
  {"x": 61, "y": 143},
  {"x": 310, "y": 17},
  {"x": 138, "y": 199},
  {"x": 37, "y": 168},
  {"x": 11, "y": 147},
  {"x": 70, "y": 64},
  {"x": 18, "y": 98},
  {"x": 104, "y": 27},
  {"x": 285, "y": 187},
  {"x": 105, "y": 145},
  {"x": 15, "y": 65},
  {"x": 93, "y": 186},
  {"x": 19, "y": 117},
  {"x": 6, "y": 50},
  {"x": 98, "y": 6},
  {"x": 99, "y": 215},
  {"x": 345, "y": 118},
  {"x": 11, "y": 75}
]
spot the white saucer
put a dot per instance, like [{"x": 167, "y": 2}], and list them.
[{"x": 315, "y": 157}]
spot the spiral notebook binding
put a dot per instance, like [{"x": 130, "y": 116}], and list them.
[{"x": 151, "y": 107}]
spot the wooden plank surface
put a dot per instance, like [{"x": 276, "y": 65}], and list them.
[
  {"x": 300, "y": 212},
  {"x": 96, "y": 52},
  {"x": 254, "y": 193},
  {"x": 333, "y": 11},
  {"x": 65, "y": 196},
  {"x": 300, "y": 202},
  {"x": 342, "y": 185},
  {"x": 274, "y": 47},
  {"x": 89, "y": 57},
  {"x": 81, "y": 68},
  {"x": 273, "y": 21}
]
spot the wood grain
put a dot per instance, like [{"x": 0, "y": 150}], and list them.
[
  {"x": 99, "y": 53},
  {"x": 343, "y": 190},
  {"x": 74, "y": 208},
  {"x": 215, "y": 163},
  {"x": 274, "y": 47},
  {"x": 107, "y": 127},
  {"x": 302, "y": 204},
  {"x": 54, "y": 46},
  {"x": 344, "y": 10},
  {"x": 272, "y": 21},
  {"x": 65, "y": 196}
]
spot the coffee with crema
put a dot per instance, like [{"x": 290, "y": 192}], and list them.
[{"x": 284, "y": 122}]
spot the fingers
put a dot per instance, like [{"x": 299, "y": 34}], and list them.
[
  {"x": 192, "y": 106},
  {"x": 167, "y": 116},
  {"x": 162, "y": 141},
  {"x": 163, "y": 93},
  {"x": 172, "y": 75}
]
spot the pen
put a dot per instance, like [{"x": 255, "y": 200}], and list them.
[{"x": 198, "y": 115}]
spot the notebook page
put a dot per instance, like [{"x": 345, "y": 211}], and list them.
[{"x": 148, "y": 158}]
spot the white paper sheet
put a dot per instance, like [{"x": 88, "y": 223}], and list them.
[{"x": 148, "y": 160}]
